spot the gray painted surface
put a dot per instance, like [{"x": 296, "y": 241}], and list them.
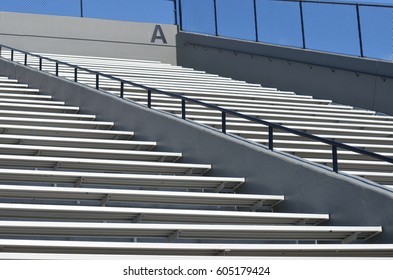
[
  {"x": 83, "y": 36},
  {"x": 344, "y": 79},
  {"x": 307, "y": 188}
]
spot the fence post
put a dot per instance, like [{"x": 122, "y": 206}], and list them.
[
  {"x": 122, "y": 90},
  {"x": 76, "y": 74},
  {"x": 359, "y": 30},
  {"x": 302, "y": 23},
  {"x": 271, "y": 138},
  {"x": 334, "y": 158},
  {"x": 224, "y": 122},
  {"x": 81, "y": 8},
  {"x": 215, "y": 18},
  {"x": 97, "y": 81},
  {"x": 149, "y": 98},
  {"x": 256, "y": 21},
  {"x": 183, "y": 109}
]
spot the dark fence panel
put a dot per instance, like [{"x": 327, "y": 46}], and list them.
[
  {"x": 235, "y": 19},
  {"x": 279, "y": 23},
  {"x": 197, "y": 16},
  {"x": 340, "y": 27},
  {"x": 47, "y": 7},
  {"x": 332, "y": 28},
  {"x": 155, "y": 11},
  {"x": 377, "y": 32}
]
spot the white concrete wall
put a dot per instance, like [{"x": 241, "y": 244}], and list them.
[{"x": 83, "y": 36}]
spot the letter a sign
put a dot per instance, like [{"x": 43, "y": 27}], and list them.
[{"x": 158, "y": 34}]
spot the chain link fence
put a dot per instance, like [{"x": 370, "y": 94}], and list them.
[
  {"x": 154, "y": 11},
  {"x": 345, "y": 28}
]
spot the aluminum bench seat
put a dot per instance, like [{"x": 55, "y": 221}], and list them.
[
  {"x": 25, "y": 96},
  {"x": 252, "y": 103},
  {"x": 7, "y": 80},
  {"x": 288, "y": 136},
  {"x": 175, "y": 104},
  {"x": 288, "y": 118},
  {"x": 105, "y": 165},
  {"x": 38, "y": 107},
  {"x": 12, "y": 85},
  {"x": 189, "y": 84},
  {"x": 356, "y": 165},
  {"x": 129, "y": 180},
  {"x": 56, "y": 122},
  {"x": 306, "y": 145},
  {"x": 244, "y": 95},
  {"x": 53, "y": 151},
  {"x": 32, "y": 101},
  {"x": 88, "y": 250},
  {"x": 46, "y": 115},
  {"x": 66, "y": 213},
  {"x": 187, "y": 231},
  {"x": 353, "y": 129},
  {"x": 105, "y": 196},
  {"x": 65, "y": 132},
  {"x": 309, "y": 152},
  {"x": 383, "y": 178},
  {"x": 18, "y": 90},
  {"x": 210, "y": 112},
  {"x": 76, "y": 142}
]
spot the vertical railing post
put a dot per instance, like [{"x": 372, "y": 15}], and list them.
[
  {"x": 81, "y": 5},
  {"x": 359, "y": 31},
  {"x": 224, "y": 122},
  {"x": 25, "y": 58},
  {"x": 270, "y": 138},
  {"x": 302, "y": 23},
  {"x": 97, "y": 81},
  {"x": 122, "y": 90},
  {"x": 334, "y": 158},
  {"x": 215, "y": 18},
  {"x": 149, "y": 98},
  {"x": 12, "y": 55},
  {"x": 40, "y": 63},
  {"x": 76, "y": 75},
  {"x": 57, "y": 68},
  {"x": 180, "y": 15},
  {"x": 256, "y": 21},
  {"x": 175, "y": 10},
  {"x": 183, "y": 109}
]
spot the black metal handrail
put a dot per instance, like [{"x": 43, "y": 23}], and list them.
[{"x": 224, "y": 112}]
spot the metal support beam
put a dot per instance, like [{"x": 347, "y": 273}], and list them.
[
  {"x": 350, "y": 238},
  {"x": 257, "y": 205},
  {"x": 190, "y": 172},
  {"x": 57, "y": 166},
  {"x": 105, "y": 200},
  {"x": 137, "y": 219},
  {"x": 174, "y": 236},
  {"x": 79, "y": 183},
  {"x": 220, "y": 187}
]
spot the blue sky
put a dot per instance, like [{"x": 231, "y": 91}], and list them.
[{"x": 327, "y": 27}]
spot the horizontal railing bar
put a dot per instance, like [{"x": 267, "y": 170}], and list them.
[{"x": 222, "y": 110}]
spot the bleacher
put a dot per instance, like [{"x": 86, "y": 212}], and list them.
[
  {"x": 359, "y": 128},
  {"x": 71, "y": 184}
]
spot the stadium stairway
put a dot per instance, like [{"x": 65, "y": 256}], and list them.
[
  {"x": 356, "y": 127},
  {"x": 71, "y": 184}
]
